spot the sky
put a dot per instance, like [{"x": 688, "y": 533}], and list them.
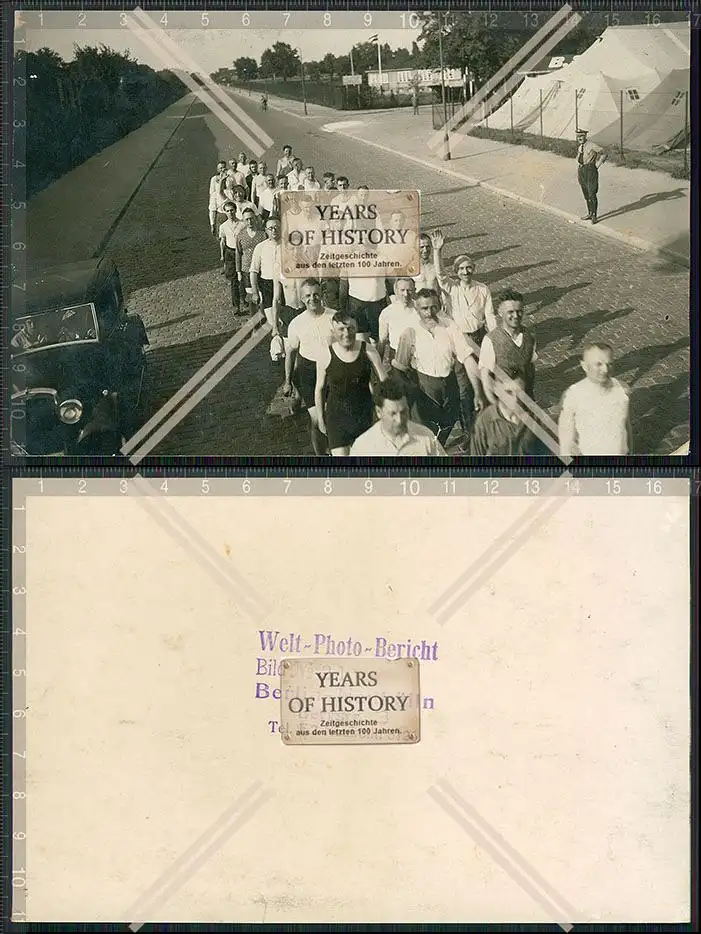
[{"x": 214, "y": 48}]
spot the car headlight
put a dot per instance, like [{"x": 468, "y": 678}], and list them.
[{"x": 70, "y": 411}]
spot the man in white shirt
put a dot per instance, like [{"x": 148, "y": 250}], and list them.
[
  {"x": 309, "y": 336},
  {"x": 258, "y": 182},
  {"x": 242, "y": 165},
  {"x": 266, "y": 197},
  {"x": 310, "y": 181},
  {"x": 214, "y": 189},
  {"x": 469, "y": 304},
  {"x": 228, "y": 232},
  {"x": 399, "y": 315},
  {"x": 509, "y": 348},
  {"x": 295, "y": 177},
  {"x": 427, "y": 355},
  {"x": 595, "y": 415},
  {"x": 393, "y": 434},
  {"x": 266, "y": 271},
  {"x": 285, "y": 162}
]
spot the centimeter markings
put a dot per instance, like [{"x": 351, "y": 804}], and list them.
[
  {"x": 508, "y": 486},
  {"x": 511, "y": 14},
  {"x": 17, "y": 143},
  {"x": 19, "y": 707}
]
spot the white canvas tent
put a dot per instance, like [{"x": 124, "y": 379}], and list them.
[{"x": 626, "y": 66}]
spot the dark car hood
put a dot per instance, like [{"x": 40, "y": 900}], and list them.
[{"x": 84, "y": 366}]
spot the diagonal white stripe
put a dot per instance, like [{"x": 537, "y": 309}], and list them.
[
  {"x": 236, "y": 128},
  {"x": 535, "y": 44},
  {"x": 192, "y": 66},
  {"x": 200, "y": 393},
  {"x": 189, "y": 386},
  {"x": 502, "y": 93}
]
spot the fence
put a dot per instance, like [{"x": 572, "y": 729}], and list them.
[
  {"x": 335, "y": 95},
  {"x": 621, "y": 120}
]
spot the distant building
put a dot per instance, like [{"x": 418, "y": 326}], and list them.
[{"x": 401, "y": 79}]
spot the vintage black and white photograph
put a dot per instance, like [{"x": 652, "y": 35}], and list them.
[{"x": 154, "y": 155}]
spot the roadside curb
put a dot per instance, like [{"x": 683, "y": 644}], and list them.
[{"x": 634, "y": 242}]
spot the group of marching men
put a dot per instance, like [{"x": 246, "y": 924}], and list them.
[{"x": 396, "y": 367}]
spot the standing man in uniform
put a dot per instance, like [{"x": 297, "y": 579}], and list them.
[{"x": 589, "y": 159}]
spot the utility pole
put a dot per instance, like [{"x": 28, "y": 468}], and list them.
[
  {"x": 304, "y": 87},
  {"x": 446, "y": 141}
]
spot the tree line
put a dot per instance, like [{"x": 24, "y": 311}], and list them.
[
  {"x": 75, "y": 109},
  {"x": 472, "y": 41}
]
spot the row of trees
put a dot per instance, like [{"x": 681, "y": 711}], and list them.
[
  {"x": 74, "y": 109},
  {"x": 474, "y": 41},
  {"x": 468, "y": 41}
]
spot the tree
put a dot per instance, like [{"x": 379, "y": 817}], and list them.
[
  {"x": 282, "y": 61},
  {"x": 246, "y": 68},
  {"x": 468, "y": 42},
  {"x": 328, "y": 64}
]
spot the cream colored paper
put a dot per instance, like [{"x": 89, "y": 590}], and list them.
[{"x": 560, "y": 714}]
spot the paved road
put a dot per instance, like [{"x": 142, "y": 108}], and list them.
[{"x": 576, "y": 287}]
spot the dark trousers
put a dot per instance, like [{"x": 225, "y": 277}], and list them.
[
  {"x": 465, "y": 388},
  {"x": 589, "y": 183},
  {"x": 230, "y": 273},
  {"x": 368, "y": 315}
]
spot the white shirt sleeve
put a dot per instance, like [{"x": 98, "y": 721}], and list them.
[
  {"x": 292, "y": 341},
  {"x": 256, "y": 258},
  {"x": 488, "y": 358}
]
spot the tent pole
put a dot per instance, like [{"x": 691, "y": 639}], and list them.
[
  {"x": 541, "y": 114},
  {"x": 686, "y": 131},
  {"x": 511, "y": 113},
  {"x": 621, "y": 122},
  {"x": 576, "y": 110}
]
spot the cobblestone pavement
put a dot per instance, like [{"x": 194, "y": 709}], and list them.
[{"x": 576, "y": 286}]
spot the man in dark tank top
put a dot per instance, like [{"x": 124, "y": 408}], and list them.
[{"x": 510, "y": 347}]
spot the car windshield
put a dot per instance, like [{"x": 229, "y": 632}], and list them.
[{"x": 77, "y": 324}]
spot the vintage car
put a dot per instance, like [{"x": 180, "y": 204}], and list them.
[{"x": 78, "y": 363}]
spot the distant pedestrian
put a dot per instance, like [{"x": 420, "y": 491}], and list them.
[
  {"x": 215, "y": 187},
  {"x": 329, "y": 181},
  {"x": 499, "y": 429},
  {"x": 251, "y": 181},
  {"x": 343, "y": 394},
  {"x": 285, "y": 162},
  {"x": 509, "y": 347},
  {"x": 393, "y": 434},
  {"x": 242, "y": 165},
  {"x": 590, "y": 158},
  {"x": 257, "y": 182},
  {"x": 595, "y": 414}
]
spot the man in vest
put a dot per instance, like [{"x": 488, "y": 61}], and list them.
[
  {"x": 589, "y": 159},
  {"x": 509, "y": 347}
]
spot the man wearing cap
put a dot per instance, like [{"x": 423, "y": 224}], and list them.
[
  {"x": 469, "y": 304},
  {"x": 589, "y": 158}
]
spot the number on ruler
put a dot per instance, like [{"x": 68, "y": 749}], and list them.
[
  {"x": 412, "y": 20},
  {"x": 287, "y": 18},
  {"x": 246, "y": 486},
  {"x": 412, "y": 487},
  {"x": 449, "y": 486},
  {"x": 368, "y": 486},
  {"x": 288, "y": 484},
  {"x": 613, "y": 487},
  {"x": 654, "y": 487},
  {"x": 367, "y": 19},
  {"x": 82, "y": 18},
  {"x": 82, "y": 486},
  {"x": 491, "y": 487},
  {"x": 328, "y": 487},
  {"x": 245, "y": 20},
  {"x": 532, "y": 487},
  {"x": 327, "y": 19}
]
